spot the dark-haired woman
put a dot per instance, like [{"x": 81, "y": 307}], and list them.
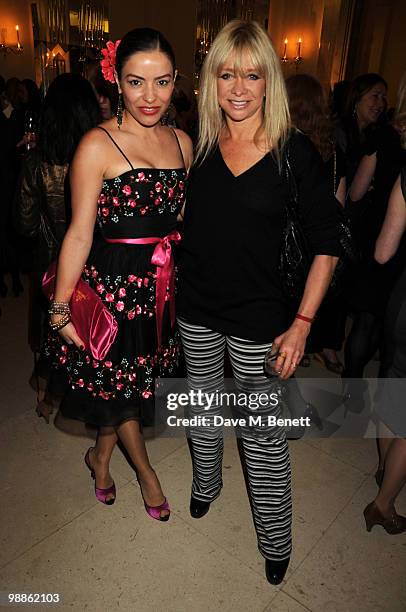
[
  {"x": 129, "y": 173},
  {"x": 42, "y": 199},
  {"x": 364, "y": 112},
  {"x": 309, "y": 113},
  {"x": 371, "y": 284}
]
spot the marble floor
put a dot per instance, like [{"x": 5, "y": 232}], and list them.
[{"x": 56, "y": 538}]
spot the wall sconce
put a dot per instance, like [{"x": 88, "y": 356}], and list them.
[
  {"x": 285, "y": 58},
  {"x": 298, "y": 59},
  {"x": 5, "y": 48}
]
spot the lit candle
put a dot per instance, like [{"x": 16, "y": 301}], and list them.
[
  {"x": 18, "y": 36},
  {"x": 299, "y": 47},
  {"x": 284, "y": 50}
]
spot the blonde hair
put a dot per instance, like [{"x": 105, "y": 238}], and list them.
[
  {"x": 238, "y": 37},
  {"x": 400, "y": 116}
]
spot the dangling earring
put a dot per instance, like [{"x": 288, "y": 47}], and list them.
[{"x": 119, "y": 113}]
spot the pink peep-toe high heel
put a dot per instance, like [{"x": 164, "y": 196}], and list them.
[
  {"x": 101, "y": 494},
  {"x": 155, "y": 511}
]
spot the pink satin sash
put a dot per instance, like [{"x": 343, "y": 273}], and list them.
[{"x": 162, "y": 258}]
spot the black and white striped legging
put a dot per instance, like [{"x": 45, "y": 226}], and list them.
[{"x": 265, "y": 459}]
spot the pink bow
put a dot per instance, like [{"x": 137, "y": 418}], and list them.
[{"x": 162, "y": 258}]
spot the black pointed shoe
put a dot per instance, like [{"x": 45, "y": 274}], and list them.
[
  {"x": 275, "y": 570},
  {"x": 198, "y": 508}
]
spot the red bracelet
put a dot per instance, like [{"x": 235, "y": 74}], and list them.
[{"x": 303, "y": 318}]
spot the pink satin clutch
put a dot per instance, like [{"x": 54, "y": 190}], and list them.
[{"x": 93, "y": 322}]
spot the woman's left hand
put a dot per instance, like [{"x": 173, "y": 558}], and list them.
[{"x": 291, "y": 345}]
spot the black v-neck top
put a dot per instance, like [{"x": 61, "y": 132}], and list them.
[{"x": 229, "y": 279}]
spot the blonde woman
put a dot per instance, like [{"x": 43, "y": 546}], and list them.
[{"x": 231, "y": 293}]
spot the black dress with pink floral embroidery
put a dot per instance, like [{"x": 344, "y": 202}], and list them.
[{"x": 139, "y": 203}]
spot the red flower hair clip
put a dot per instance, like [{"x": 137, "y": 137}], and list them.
[{"x": 108, "y": 62}]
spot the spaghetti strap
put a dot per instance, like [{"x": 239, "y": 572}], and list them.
[
  {"x": 114, "y": 142},
  {"x": 180, "y": 148}
]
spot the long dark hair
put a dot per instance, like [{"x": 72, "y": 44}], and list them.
[
  {"x": 33, "y": 95},
  {"x": 309, "y": 112},
  {"x": 142, "y": 39},
  {"x": 70, "y": 110},
  {"x": 360, "y": 86}
]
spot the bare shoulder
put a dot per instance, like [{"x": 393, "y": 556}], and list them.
[
  {"x": 93, "y": 145},
  {"x": 186, "y": 144}
]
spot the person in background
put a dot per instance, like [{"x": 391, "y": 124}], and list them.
[
  {"x": 42, "y": 206},
  {"x": 338, "y": 99},
  {"x": 390, "y": 398},
  {"x": 31, "y": 96},
  {"x": 309, "y": 113},
  {"x": 11, "y": 132},
  {"x": 370, "y": 284},
  {"x": 106, "y": 92},
  {"x": 364, "y": 112}
]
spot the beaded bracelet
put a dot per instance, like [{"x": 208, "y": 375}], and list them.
[
  {"x": 59, "y": 308},
  {"x": 61, "y": 323}
]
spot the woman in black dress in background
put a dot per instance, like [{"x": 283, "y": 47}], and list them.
[
  {"x": 42, "y": 206},
  {"x": 370, "y": 284},
  {"x": 391, "y": 398}
]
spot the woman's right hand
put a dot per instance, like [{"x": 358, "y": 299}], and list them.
[{"x": 68, "y": 333}]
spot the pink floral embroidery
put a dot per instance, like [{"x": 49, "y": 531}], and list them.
[
  {"x": 127, "y": 190},
  {"x": 108, "y": 62},
  {"x": 109, "y": 297},
  {"x": 122, "y": 292},
  {"x": 108, "y": 364},
  {"x": 120, "y": 306},
  {"x": 131, "y": 315},
  {"x": 100, "y": 288},
  {"x": 141, "y": 176},
  {"x": 132, "y": 203},
  {"x": 131, "y": 278},
  {"x": 146, "y": 394},
  {"x": 105, "y": 212}
]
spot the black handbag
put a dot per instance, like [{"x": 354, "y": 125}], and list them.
[{"x": 296, "y": 254}]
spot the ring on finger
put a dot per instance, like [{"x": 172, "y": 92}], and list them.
[{"x": 282, "y": 354}]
